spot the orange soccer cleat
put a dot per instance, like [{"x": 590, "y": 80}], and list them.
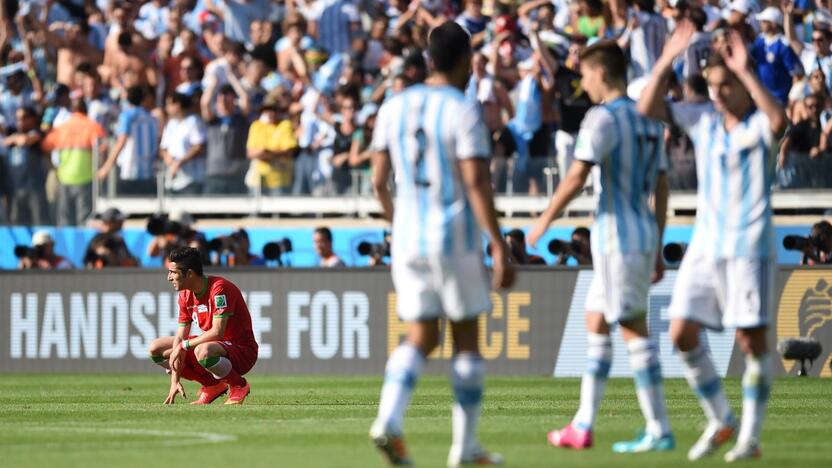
[
  {"x": 207, "y": 395},
  {"x": 237, "y": 395}
]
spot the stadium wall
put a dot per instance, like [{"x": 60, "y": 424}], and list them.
[
  {"x": 344, "y": 321},
  {"x": 71, "y": 242}
]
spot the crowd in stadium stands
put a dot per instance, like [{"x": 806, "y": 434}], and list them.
[{"x": 279, "y": 97}]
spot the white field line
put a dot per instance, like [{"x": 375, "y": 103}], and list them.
[{"x": 173, "y": 438}]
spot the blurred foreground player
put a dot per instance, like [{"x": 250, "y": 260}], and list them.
[
  {"x": 727, "y": 275},
  {"x": 224, "y": 352},
  {"x": 438, "y": 145},
  {"x": 625, "y": 151}
]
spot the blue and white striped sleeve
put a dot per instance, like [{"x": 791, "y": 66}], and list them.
[
  {"x": 472, "y": 140},
  {"x": 597, "y": 136}
]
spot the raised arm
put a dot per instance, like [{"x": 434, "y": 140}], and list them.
[
  {"x": 735, "y": 56},
  {"x": 652, "y": 100}
]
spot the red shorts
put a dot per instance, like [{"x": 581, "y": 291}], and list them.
[{"x": 242, "y": 356}]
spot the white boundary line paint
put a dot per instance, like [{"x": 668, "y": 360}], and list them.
[{"x": 176, "y": 439}]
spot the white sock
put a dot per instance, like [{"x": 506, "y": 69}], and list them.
[
  {"x": 644, "y": 361},
  {"x": 467, "y": 372},
  {"x": 756, "y": 387},
  {"x": 403, "y": 368},
  {"x": 219, "y": 368},
  {"x": 703, "y": 380},
  {"x": 594, "y": 380}
]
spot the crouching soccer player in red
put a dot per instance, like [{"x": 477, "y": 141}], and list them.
[{"x": 225, "y": 352}]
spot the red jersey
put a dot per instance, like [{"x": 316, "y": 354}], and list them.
[{"x": 222, "y": 299}]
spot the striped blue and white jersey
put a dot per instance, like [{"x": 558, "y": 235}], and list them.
[
  {"x": 647, "y": 42},
  {"x": 137, "y": 158},
  {"x": 335, "y": 19},
  {"x": 427, "y": 130},
  {"x": 627, "y": 150},
  {"x": 735, "y": 170}
]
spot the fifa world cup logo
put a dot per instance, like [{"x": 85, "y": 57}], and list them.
[{"x": 806, "y": 311}]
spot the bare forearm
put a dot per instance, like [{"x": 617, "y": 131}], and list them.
[
  {"x": 566, "y": 191},
  {"x": 765, "y": 101},
  {"x": 652, "y": 103},
  {"x": 477, "y": 182}
]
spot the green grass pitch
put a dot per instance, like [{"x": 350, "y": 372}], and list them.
[{"x": 119, "y": 421}]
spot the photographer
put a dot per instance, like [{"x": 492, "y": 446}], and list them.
[
  {"x": 42, "y": 254},
  {"x": 322, "y": 238},
  {"x": 235, "y": 248},
  {"x": 107, "y": 248},
  {"x": 516, "y": 241},
  {"x": 817, "y": 248},
  {"x": 174, "y": 230},
  {"x": 578, "y": 248}
]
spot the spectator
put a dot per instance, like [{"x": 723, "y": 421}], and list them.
[
  {"x": 271, "y": 147},
  {"x": 136, "y": 148},
  {"x": 183, "y": 147},
  {"x": 335, "y": 22},
  {"x": 777, "y": 63},
  {"x": 100, "y": 107},
  {"x": 692, "y": 62},
  {"x": 474, "y": 22},
  {"x": 73, "y": 48},
  {"x": 680, "y": 152},
  {"x": 516, "y": 240},
  {"x": 644, "y": 37},
  {"x": 801, "y": 146},
  {"x": 291, "y": 47},
  {"x": 44, "y": 256},
  {"x": 360, "y": 153},
  {"x": 178, "y": 232},
  {"x": 16, "y": 93},
  {"x": 226, "y": 133},
  {"x": 237, "y": 16},
  {"x": 190, "y": 77},
  {"x": 819, "y": 250},
  {"x": 573, "y": 103},
  {"x": 589, "y": 22},
  {"x": 107, "y": 248},
  {"x": 75, "y": 140},
  {"x": 26, "y": 168},
  {"x": 322, "y": 238},
  {"x": 129, "y": 66}
]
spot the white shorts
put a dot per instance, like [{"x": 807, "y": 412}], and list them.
[
  {"x": 620, "y": 285},
  {"x": 718, "y": 293},
  {"x": 454, "y": 288}
]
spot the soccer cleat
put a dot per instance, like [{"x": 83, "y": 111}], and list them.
[
  {"x": 571, "y": 437},
  {"x": 645, "y": 442},
  {"x": 711, "y": 440},
  {"x": 391, "y": 446},
  {"x": 480, "y": 457},
  {"x": 237, "y": 395},
  {"x": 747, "y": 451},
  {"x": 207, "y": 395}
]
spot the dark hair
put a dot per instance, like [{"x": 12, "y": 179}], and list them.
[
  {"x": 646, "y": 5},
  {"x": 448, "y": 46},
  {"x": 517, "y": 236},
  {"x": 698, "y": 84},
  {"x": 28, "y": 111},
  {"x": 135, "y": 95},
  {"x": 182, "y": 100},
  {"x": 698, "y": 17},
  {"x": 187, "y": 258},
  {"x": 61, "y": 90},
  {"x": 235, "y": 48},
  {"x": 86, "y": 68},
  {"x": 324, "y": 231},
  {"x": 581, "y": 231},
  {"x": 125, "y": 39},
  {"x": 608, "y": 55},
  {"x": 79, "y": 106}
]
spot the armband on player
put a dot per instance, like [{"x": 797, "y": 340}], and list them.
[{"x": 185, "y": 345}]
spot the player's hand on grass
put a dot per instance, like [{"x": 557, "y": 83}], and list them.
[
  {"x": 503, "y": 274},
  {"x": 175, "y": 388}
]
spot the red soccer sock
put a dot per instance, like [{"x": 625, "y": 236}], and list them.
[
  {"x": 234, "y": 379},
  {"x": 198, "y": 375}
]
